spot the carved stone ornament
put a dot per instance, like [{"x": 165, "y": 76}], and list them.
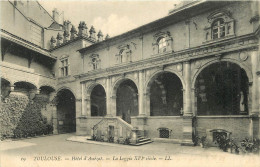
[
  {"x": 197, "y": 64},
  {"x": 179, "y": 67},
  {"x": 228, "y": 23},
  {"x": 243, "y": 56},
  {"x": 125, "y": 53}
]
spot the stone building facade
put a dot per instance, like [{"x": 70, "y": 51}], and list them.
[{"x": 192, "y": 73}]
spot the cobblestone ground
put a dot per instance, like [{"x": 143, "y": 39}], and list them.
[{"x": 56, "y": 151}]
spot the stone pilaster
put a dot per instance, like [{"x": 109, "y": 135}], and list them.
[{"x": 187, "y": 27}]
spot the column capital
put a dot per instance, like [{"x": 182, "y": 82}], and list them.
[{"x": 187, "y": 61}]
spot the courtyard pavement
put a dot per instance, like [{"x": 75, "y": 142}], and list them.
[{"x": 56, "y": 150}]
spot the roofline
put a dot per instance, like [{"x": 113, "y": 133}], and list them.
[
  {"x": 36, "y": 48},
  {"x": 145, "y": 26},
  {"x": 73, "y": 40}
]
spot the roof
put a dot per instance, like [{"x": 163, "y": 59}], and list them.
[
  {"x": 176, "y": 15},
  {"x": 27, "y": 44}
]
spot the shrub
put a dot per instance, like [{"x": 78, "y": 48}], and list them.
[
  {"x": 20, "y": 117},
  {"x": 250, "y": 146}
]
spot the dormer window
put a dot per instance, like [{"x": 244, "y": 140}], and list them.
[
  {"x": 218, "y": 29},
  {"x": 162, "y": 45}
]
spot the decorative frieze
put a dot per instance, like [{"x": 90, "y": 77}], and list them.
[{"x": 248, "y": 42}]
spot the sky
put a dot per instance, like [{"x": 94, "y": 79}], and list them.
[{"x": 111, "y": 17}]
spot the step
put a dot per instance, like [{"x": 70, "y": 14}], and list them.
[
  {"x": 143, "y": 140},
  {"x": 142, "y": 143}
]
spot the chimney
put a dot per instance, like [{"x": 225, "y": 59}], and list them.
[
  {"x": 55, "y": 15},
  {"x": 53, "y": 41},
  {"x": 100, "y": 36},
  {"x": 107, "y": 37},
  {"x": 73, "y": 33},
  {"x": 59, "y": 39},
  {"x": 66, "y": 36},
  {"x": 67, "y": 25},
  {"x": 83, "y": 29},
  {"x": 92, "y": 33}
]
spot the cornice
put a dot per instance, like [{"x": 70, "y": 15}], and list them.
[
  {"x": 227, "y": 45},
  {"x": 157, "y": 24},
  {"x": 20, "y": 41}
]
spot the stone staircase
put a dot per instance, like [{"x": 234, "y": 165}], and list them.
[
  {"x": 140, "y": 140},
  {"x": 115, "y": 129}
]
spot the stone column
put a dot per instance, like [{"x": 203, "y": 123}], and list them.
[
  {"x": 255, "y": 104},
  {"x": 108, "y": 96},
  {"x": 141, "y": 95},
  {"x": 54, "y": 118},
  {"x": 147, "y": 104},
  {"x": 187, "y": 115},
  {"x": 83, "y": 101},
  {"x": 255, "y": 95},
  {"x": 187, "y": 93}
]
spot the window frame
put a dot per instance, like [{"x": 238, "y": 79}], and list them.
[{"x": 64, "y": 68}]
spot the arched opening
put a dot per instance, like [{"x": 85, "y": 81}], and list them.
[
  {"x": 46, "y": 90},
  {"x": 5, "y": 88},
  {"x": 25, "y": 88},
  {"x": 222, "y": 89},
  {"x": 127, "y": 100},
  {"x": 98, "y": 101},
  {"x": 166, "y": 96},
  {"x": 66, "y": 111}
]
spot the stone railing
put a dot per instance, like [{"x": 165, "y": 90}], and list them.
[{"x": 112, "y": 129}]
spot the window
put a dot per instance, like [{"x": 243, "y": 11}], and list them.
[
  {"x": 218, "y": 29},
  {"x": 162, "y": 45},
  {"x": 220, "y": 25},
  {"x": 162, "y": 42},
  {"x": 95, "y": 61},
  {"x": 64, "y": 67}
]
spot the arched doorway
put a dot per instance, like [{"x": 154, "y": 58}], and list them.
[
  {"x": 222, "y": 89},
  {"x": 127, "y": 100},
  {"x": 66, "y": 111},
  {"x": 166, "y": 95},
  {"x": 98, "y": 101}
]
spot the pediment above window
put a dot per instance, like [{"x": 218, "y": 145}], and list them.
[
  {"x": 163, "y": 42},
  {"x": 125, "y": 53},
  {"x": 220, "y": 25},
  {"x": 95, "y": 61}
]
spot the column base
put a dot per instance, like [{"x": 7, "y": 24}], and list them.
[
  {"x": 187, "y": 131},
  {"x": 55, "y": 126},
  {"x": 81, "y": 129}
]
